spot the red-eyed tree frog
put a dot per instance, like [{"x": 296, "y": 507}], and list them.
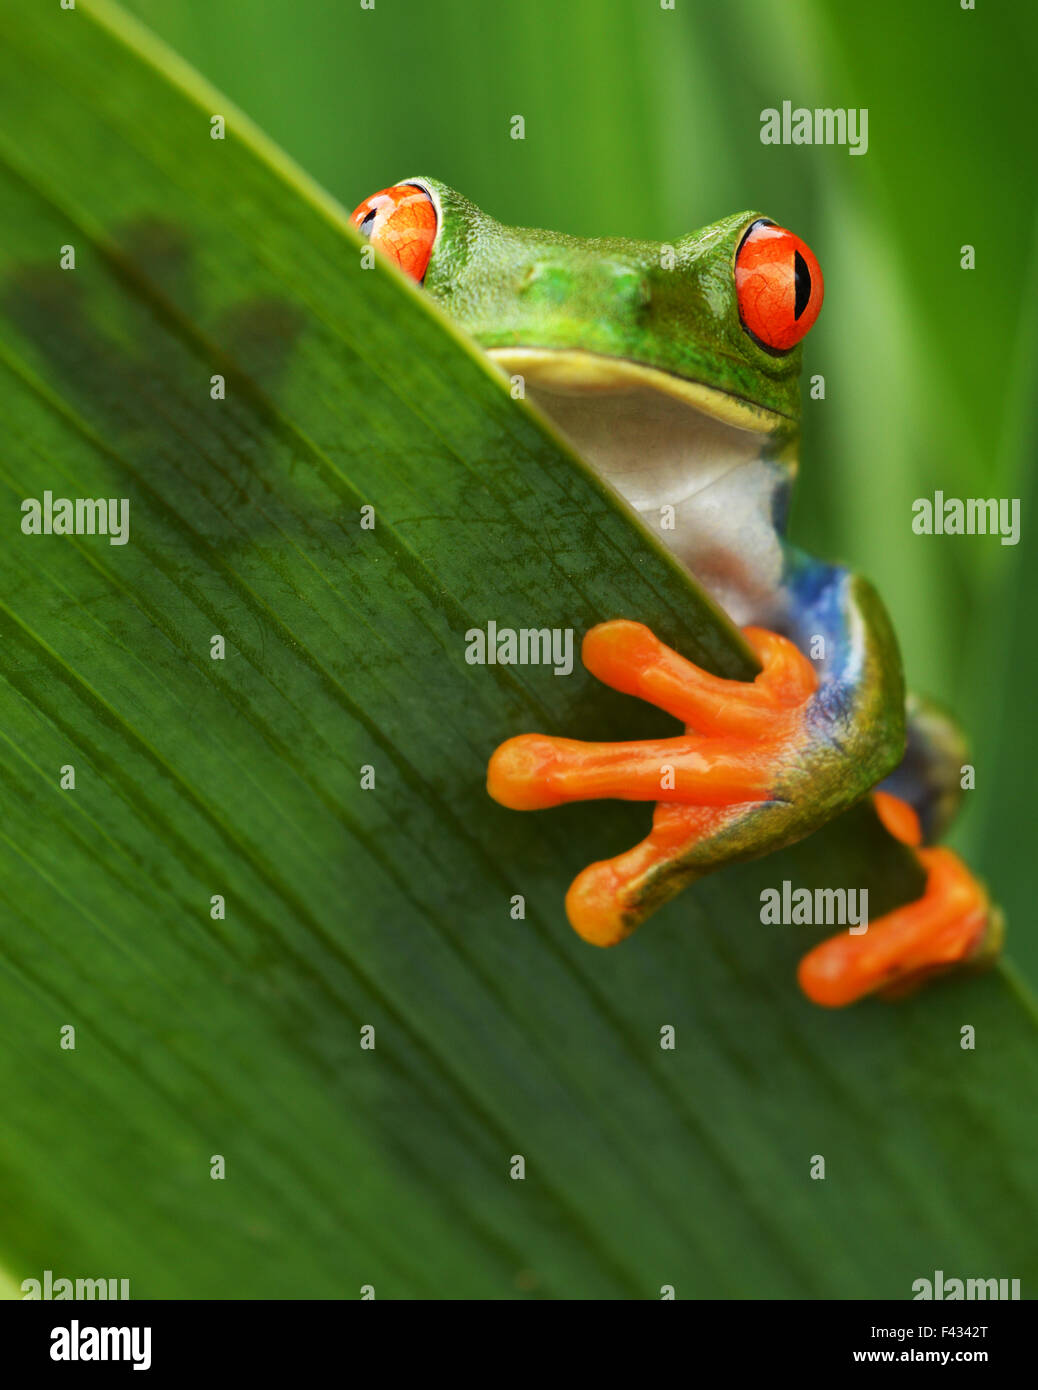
[{"x": 673, "y": 369}]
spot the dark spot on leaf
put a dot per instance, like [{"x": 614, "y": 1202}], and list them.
[{"x": 259, "y": 335}]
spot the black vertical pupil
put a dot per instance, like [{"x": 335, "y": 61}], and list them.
[
  {"x": 803, "y": 284},
  {"x": 365, "y": 226}
]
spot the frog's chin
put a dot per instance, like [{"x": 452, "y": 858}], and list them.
[{"x": 704, "y": 469}]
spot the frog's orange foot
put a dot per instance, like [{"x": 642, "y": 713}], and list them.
[
  {"x": 739, "y": 737},
  {"x": 952, "y": 924}
]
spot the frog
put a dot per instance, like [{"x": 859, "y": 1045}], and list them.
[{"x": 673, "y": 370}]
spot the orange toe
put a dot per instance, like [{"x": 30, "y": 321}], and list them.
[{"x": 519, "y": 773}]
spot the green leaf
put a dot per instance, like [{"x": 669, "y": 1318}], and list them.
[{"x": 240, "y": 777}]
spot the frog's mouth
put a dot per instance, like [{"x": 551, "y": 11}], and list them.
[{"x": 700, "y": 466}]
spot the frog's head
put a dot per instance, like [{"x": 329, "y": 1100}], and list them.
[{"x": 666, "y": 365}]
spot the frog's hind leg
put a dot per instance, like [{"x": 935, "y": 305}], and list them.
[
  {"x": 952, "y": 924},
  {"x": 708, "y": 783}
]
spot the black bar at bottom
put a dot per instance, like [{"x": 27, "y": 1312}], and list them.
[{"x": 322, "y": 1342}]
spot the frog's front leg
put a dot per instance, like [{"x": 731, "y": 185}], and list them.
[
  {"x": 738, "y": 737},
  {"x": 760, "y": 765}
]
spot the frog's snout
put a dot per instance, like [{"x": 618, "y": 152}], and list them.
[{"x": 621, "y": 285}]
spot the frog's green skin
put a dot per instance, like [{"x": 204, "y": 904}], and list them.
[
  {"x": 638, "y": 353},
  {"x": 629, "y": 300}
]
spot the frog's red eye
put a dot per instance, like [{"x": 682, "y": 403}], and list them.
[
  {"x": 401, "y": 223},
  {"x": 779, "y": 286}
]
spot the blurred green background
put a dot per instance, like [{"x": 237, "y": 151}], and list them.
[{"x": 645, "y": 122}]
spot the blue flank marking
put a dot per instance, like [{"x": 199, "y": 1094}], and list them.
[{"x": 814, "y": 602}]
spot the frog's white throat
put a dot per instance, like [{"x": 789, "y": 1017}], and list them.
[{"x": 693, "y": 461}]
